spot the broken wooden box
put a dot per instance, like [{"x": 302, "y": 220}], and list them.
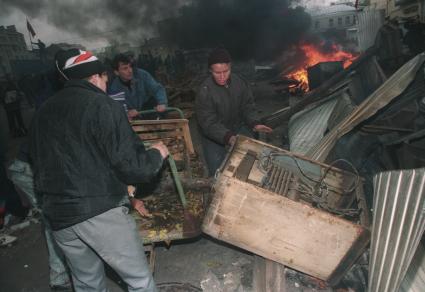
[{"x": 289, "y": 209}]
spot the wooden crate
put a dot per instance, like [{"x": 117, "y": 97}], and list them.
[
  {"x": 168, "y": 222},
  {"x": 174, "y": 133},
  {"x": 297, "y": 234}
]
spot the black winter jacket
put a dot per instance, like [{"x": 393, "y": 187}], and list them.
[
  {"x": 222, "y": 110},
  {"x": 84, "y": 153}
]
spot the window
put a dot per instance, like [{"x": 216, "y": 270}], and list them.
[
  {"x": 347, "y": 20},
  {"x": 339, "y": 21},
  {"x": 331, "y": 22}
]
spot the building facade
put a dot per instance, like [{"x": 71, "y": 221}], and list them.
[
  {"x": 401, "y": 9},
  {"x": 338, "y": 17},
  {"x": 12, "y": 47}
]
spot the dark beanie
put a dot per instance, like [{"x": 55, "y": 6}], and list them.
[
  {"x": 78, "y": 64},
  {"x": 219, "y": 56}
]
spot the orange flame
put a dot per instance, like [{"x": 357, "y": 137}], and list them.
[{"x": 314, "y": 56}]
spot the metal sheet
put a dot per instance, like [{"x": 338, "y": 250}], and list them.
[
  {"x": 320, "y": 93},
  {"x": 307, "y": 128},
  {"x": 399, "y": 223},
  {"x": 415, "y": 277},
  {"x": 369, "y": 23},
  {"x": 392, "y": 88}
]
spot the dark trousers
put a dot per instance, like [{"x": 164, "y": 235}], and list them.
[
  {"x": 214, "y": 153},
  {"x": 9, "y": 198},
  {"x": 14, "y": 118}
]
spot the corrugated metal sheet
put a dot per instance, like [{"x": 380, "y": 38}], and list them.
[
  {"x": 369, "y": 23},
  {"x": 392, "y": 88},
  {"x": 415, "y": 277},
  {"x": 398, "y": 225},
  {"x": 307, "y": 128}
]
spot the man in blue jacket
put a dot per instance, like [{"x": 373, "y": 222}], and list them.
[
  {"x": 142, "y": 91},
  {"x": 84, "y": 154}
]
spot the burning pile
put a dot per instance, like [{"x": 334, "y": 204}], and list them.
[{"x": 314, "y": 54}]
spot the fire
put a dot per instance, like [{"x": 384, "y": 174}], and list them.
[{"x": 313, "y": 56}]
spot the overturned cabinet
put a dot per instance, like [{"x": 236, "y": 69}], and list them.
[{"x": 306, "y": 215}]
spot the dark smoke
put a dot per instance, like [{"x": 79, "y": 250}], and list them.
[
  {"x": 258, "y": 29},
  {"x": 127, "y": 21},
  {"x": 248, "y": 28}
]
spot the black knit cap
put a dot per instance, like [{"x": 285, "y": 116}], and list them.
[
  {"x": 78, "y": 64},
  {"x": 219, "y": 56}
]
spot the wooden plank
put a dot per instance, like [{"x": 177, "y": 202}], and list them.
[
  {"x": 156, "y": 127},
  {"x": 259, "y": 274},
  {"x": 161, "y": 135},
  {"x": 160, "y": 122},
  {"x": 277, "y": 228},
  {"x": 188, "y": 139},
  {"x": 268, "y": 276},
  {"x": 167, "y": 141}
]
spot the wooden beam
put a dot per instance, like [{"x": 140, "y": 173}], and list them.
[{"x": 268, "y": 276}]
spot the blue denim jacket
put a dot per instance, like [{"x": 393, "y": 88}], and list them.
[{"x": 143, "y": 87}]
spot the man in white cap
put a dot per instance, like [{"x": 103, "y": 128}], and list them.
[{"x": 84, "y": 154}]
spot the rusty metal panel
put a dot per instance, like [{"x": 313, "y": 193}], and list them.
[
  {"x": 307, "y": 128},
  {"x": 369, "y": 23},
  {"x": 399, "y": 223},
  {"x": 322, "y": 71}
]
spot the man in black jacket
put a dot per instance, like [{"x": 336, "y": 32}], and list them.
[
  {"x": 224, "y": 108},
  {"x": 84, "y": 155}
]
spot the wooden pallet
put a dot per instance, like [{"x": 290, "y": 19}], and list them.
[
  {"x": 168, "y": 221},
  {"x": 174, "y": 133}
]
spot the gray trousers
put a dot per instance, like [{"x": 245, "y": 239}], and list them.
[
  {"x": 21, "y": 174},
  {"x": 112, "y": 237}
]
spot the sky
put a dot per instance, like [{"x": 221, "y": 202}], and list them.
[
  {"x": 95, "y": 23},
  {"x": 47, "y": 32}
]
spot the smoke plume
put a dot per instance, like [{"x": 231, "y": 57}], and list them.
[
  {"x": 127, "y": 21},
  {"x": 248, "y": 28}
]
